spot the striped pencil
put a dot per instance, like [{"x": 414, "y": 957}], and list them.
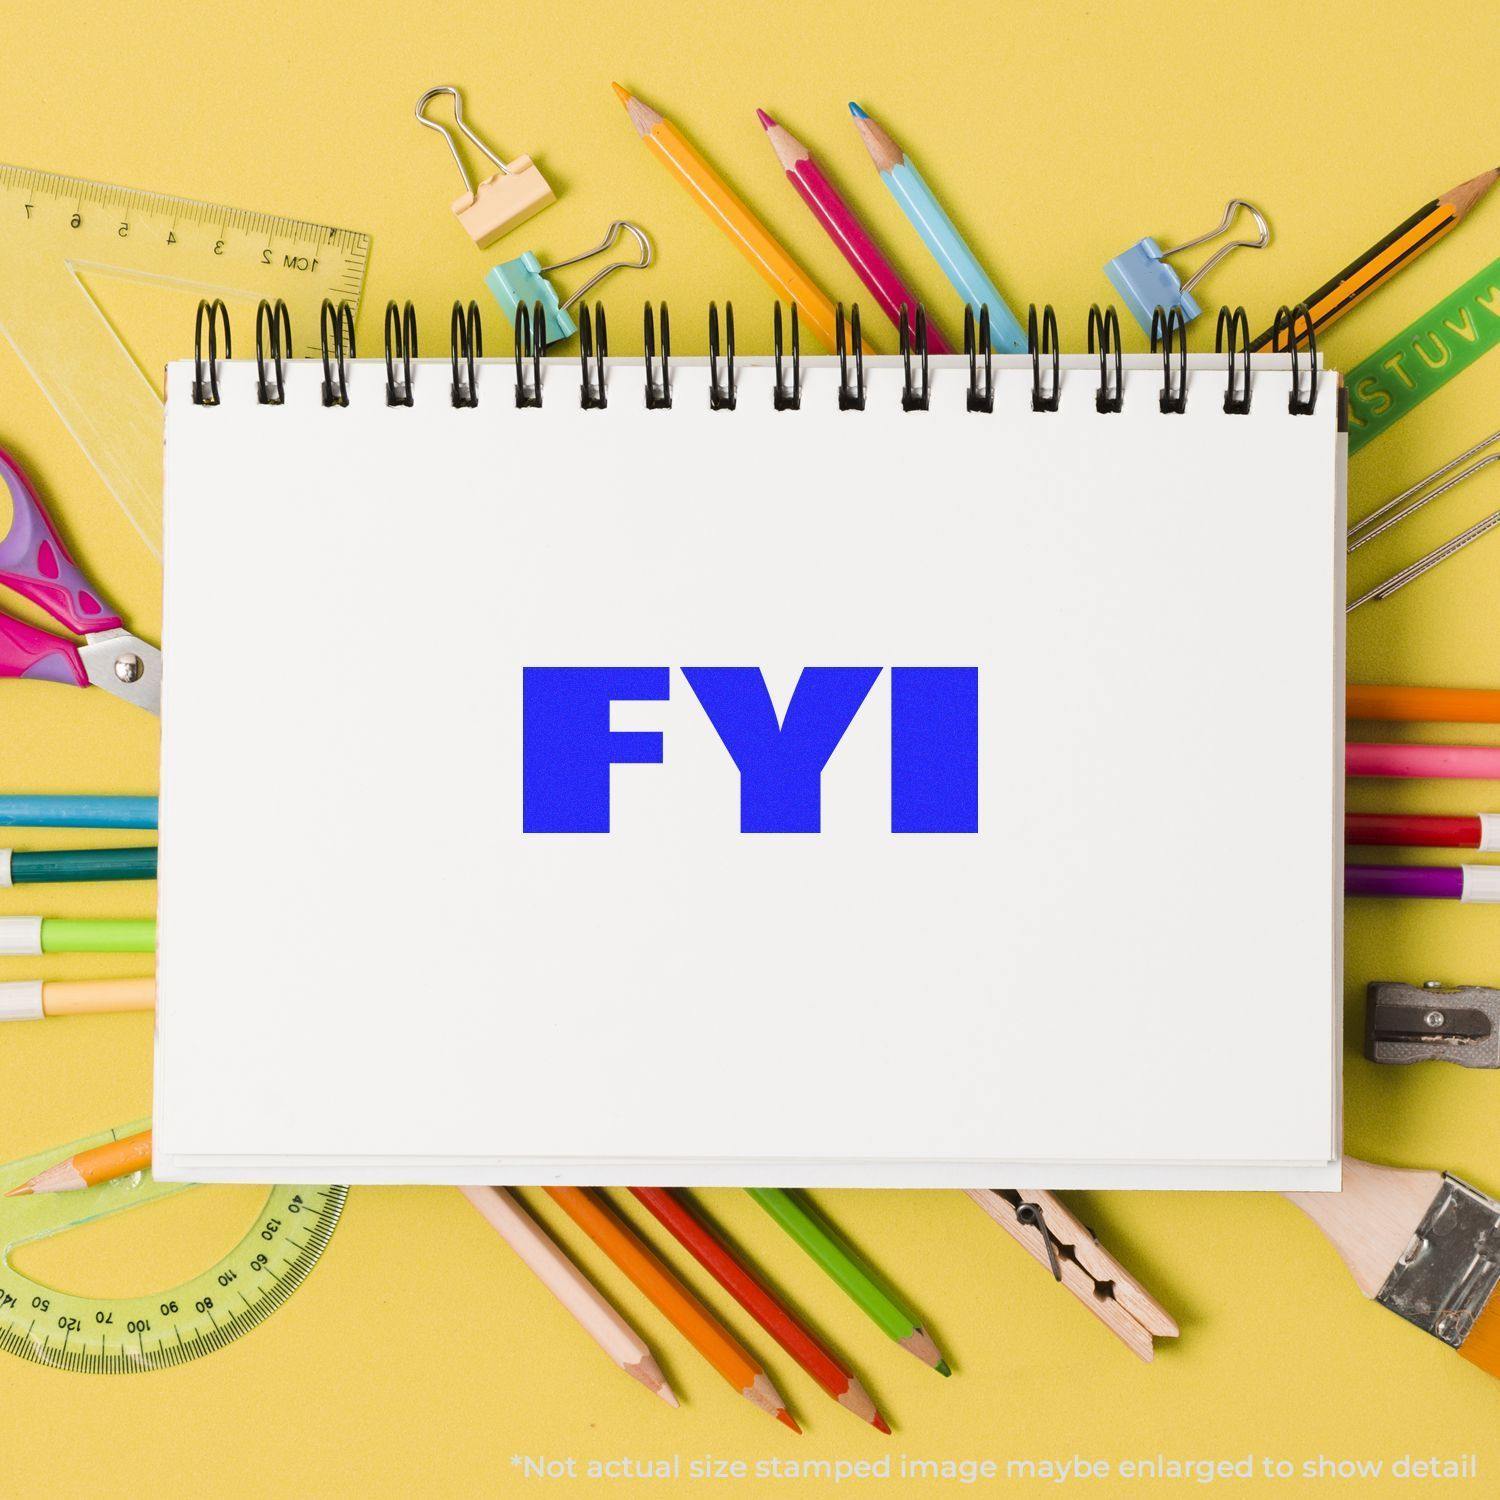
[
  {"x": 541, "y": 1255},
  {"x": 761, "y": 1303},
  {"x": 1480, "y": 831},
  {"x": 118, "y": 1158},
  {"x": 34, "y": 999},
  {"x": 939, "y": 233},
  {"x": 843, "y": 227},
  {"x": 1423, "y": 704},
  {"x": 891, "y": 1315},
  {"x": 673, "y": 1300},
  {"x": 54, "y": 866},
  {"x": 1476, "y": 884},
  {"x": 1469, "y": 762},
  {"x": 1386, "y": 257}
]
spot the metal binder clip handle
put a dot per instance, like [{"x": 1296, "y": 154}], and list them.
[{"x": 518, "y": 282}]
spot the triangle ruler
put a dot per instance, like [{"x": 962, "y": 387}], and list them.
[{"x": 98, "y": 289}]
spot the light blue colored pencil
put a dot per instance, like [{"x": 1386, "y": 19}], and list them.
[
  {"x": 939, "y": 234},
  {"x": 77, "y": 812}
]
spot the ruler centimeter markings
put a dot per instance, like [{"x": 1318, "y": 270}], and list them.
[
  {"x": 64, "y": 240},
  {"x": 124, "y": 1335}
]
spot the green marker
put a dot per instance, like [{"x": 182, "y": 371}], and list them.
[
  {"x": 28, "y": 937},
  {"x": 53, "y": 866}
]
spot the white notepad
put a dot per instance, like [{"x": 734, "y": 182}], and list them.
[{"x": 1061, "y": 907}]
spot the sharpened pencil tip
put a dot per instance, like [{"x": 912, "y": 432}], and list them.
[
  {"x": 788, "y": 1420},
  {"x": 621, "y": 92},
  {"x": 880, "y": 1424},
  {"x": 765, "y": 120},
  {"x": 19, "y": 1192},
  {"x": 668, "y": 1395},
  {"x": 942, "y": 1367},
  {"x": 857, "y": 112}
]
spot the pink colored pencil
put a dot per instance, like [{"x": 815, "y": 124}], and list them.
[
  {"x": 853, "y": 239},
  {"x": 1474, "y": 762}
]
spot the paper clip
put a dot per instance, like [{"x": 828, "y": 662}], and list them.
[
  {"x": 505, "y": 198},
  {"x": 523, "y": 281},
  {"x": 1143, "y": 278},
  {"x": 1408, "y": 502}
]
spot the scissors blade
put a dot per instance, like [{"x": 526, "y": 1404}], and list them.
[{"x": 124, "y": 665}]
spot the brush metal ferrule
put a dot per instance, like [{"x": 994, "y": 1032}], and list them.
[{"x": 1449, "y": 1271}]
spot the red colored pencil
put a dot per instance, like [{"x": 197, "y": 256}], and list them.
[
  {"x": 761, "y": 1303},
  {"x": 844, "y": 228}
]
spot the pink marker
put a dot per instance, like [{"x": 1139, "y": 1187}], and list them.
[
  {"x": 1474, "y": 762},
  {"x": 852, "y": 238}
]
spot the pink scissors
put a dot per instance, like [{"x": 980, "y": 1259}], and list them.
[{"x": 35, "y": 564}]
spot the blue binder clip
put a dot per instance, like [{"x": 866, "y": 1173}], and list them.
[
  {"x": 1144, "y": 279},
  {"x": 524, "y": 280}
]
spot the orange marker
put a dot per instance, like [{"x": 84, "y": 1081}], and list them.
[
  {"x": 720, "y": 202},
  {"x": 673, "y": 1300},
  {"x": 89, "y": 1168},
  {"x": 1423, "y": 704}
]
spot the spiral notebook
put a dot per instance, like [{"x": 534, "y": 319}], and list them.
[{"x": 696, "y": 794}]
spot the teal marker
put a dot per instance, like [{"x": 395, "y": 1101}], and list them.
[{"x": 939, "y": 234}]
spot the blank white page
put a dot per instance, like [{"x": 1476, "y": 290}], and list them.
[{"x": 1126, "y": 974}]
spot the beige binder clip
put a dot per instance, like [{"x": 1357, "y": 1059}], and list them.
[
  {"x": 1043, "y": 1227},
  {"x": 505, "y": 198}
]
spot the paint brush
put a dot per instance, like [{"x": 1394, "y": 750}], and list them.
[{"x": 1422, "y": 1244}]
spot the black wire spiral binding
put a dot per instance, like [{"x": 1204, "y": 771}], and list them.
[
  {"x": 1163, "y": 324},
  {"x": 273, "y": 327},
  {"x": 206, "y": 385},
  {"x": 658, "y": 397},
  {"x": 593, "y": 339},
  {"x": 851, "y": 397},
  {"x": 1298, "y": 404},
  {"x": 1037, "y": 347},
  {"x": 400, "y": 344},
  {"x": 1232, "y": 337},
  {"x": 333, "y": 324},
  {"x": 784, "y": 398},
  {"x": 720, "y": 399},
  {"x": 465, "y": 348},
  {"x": 531, "y": 343},
  {"x": 978, "y": 400},
  {"x": 913, "y": 399},
  {"x": 1104, "y": 335}
]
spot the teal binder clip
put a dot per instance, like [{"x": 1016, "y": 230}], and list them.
[
  {"x": 1146, "y": 281},
  {"x": 524, "y": 280}
]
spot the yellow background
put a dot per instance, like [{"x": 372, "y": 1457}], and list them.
[{"x": 420, "y": 1356}]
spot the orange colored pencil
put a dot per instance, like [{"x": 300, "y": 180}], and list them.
[
  {"x": 1382, "y": 260},
  {"x": 673, "y": 1300},
  {"x": 730, "y": 212},
  {"x": 1435, "y": 705},
  {"x": 89, "y": 1168},
  {"x": 761, "y": 1303}
]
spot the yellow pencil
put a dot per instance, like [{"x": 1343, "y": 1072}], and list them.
[{"x": 720, "y": 202}]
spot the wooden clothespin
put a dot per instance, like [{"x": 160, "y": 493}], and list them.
[{"x": 1042, "y": 1226}]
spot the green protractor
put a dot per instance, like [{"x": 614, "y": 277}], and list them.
[{"x": 122, "y": 1335}]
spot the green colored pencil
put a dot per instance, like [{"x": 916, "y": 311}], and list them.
[{"x": 894, "y": 1318}]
